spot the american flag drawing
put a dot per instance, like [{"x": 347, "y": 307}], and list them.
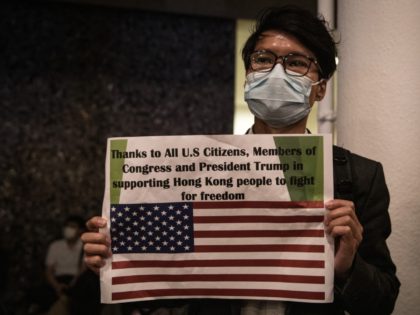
[{"x": 239, "y": 249}]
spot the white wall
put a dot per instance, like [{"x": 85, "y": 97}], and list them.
[{"x": 379, "y": 113}]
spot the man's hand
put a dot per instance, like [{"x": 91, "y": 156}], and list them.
[
  {"x": 96, "y": 244},
  {"x": 341, "y": 223}
]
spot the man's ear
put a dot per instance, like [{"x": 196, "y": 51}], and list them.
[{"x": 321, "y": 89}]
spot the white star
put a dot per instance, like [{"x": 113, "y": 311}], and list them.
[
  {"x": 156, "y": 208},
  {"x": 171, "y": 228},
  {"x": 171, "y": 207},
  {"x": 141, "y": 208},
  {"x": 178, "y": 211},
  {"x": 164, "y": 223},
  {"x": 186, "y": 237},
  {"x": 186, "y": 217},
  {"x": 115, "y": 248},
  {"x": 186, "y": 247},
  {"x": 157, "y": 228},
  {"x": 172, "y": 238},
  {"x": 113, "y": 209},
  {"x": 143, "y": 228},
  {"x": 135, "y": 213},
  {"x": 126, "y": 208},
  {"x": 179, "y": 243},
  {"x": 156, "y": 218},
  {"x": 144, "y": 248},
  {"x": 137, "y": 243},
  {"x": 143, "y": 238},
  {"x": 119, "y": 214},
  {"x": 122, "y": 243},
  {"x": 127, "y": 219},
  {"x": 178, "y": 222},
  {"x": 142, "y": 218},
  {"x": 113, "y": 220},
  {"x": 149, "y": 212},
  {"x": 185, "y": 206},
  {"x": 171, "y": 217},
  {"x": 186, "y": 227},
  {"x": 158, "y": 248},
  {"x": 172, "y": 248},
  {"x": 130, "y": 248},
  {"x": 178, "y": 232},
  {"x": 151, "y": 243},
  {"x": 165, "y": 243},
  {"x": 163, "y": 212}
]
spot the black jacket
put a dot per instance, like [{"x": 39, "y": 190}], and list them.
[{"x": 372, "y": 287}]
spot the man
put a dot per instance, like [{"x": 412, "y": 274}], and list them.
[
  {"x": 62, "y": 265},
  {"x": 289, "y": 58}
]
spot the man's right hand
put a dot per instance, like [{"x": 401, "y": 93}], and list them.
[{"x": 96, "y": 245}]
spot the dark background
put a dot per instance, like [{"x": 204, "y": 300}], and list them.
[{"x": 74, "y": 73}]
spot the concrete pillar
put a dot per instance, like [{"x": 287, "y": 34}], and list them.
[
  {"x": 379, "y": 113},
  {"x": 326, "y": 114}
]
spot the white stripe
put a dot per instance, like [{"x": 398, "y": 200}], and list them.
[
  {"x": 256, "y": 211},
  {"x": 218, "y": 256},
  {"x": 219, "y": 285},
  {"x": 260, "y": 241},
  {"x": 221, "y": 270},
  {"x": 258, "y": 226},
  {"x": 231, "y": 297}
]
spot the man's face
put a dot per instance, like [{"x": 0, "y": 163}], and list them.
[
  {"x": 71, "y": 231},
  {"x": 282, "y": 44}
]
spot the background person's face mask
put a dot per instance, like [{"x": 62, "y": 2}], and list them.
[
  {"x": 69, "y": 233},
  {"x": 276, "y": 98}
]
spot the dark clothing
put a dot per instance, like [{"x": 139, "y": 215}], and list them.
[
  {"x": 44, "y": 296},
  {"x": 372, "y": 286},
  {"x": 85, "y": 295}
]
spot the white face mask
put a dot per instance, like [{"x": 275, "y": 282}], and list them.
[
  {"x": 276, "y": 98},
  {"x": 69, "y": 233}
]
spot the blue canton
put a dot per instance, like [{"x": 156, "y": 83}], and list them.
[{"x": 152, "y": 228}]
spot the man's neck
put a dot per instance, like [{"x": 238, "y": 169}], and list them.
[{"x": 261, "y": 127}]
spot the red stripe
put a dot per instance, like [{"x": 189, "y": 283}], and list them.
[
  {"x": 258, "y": 204},
  {"x": 219, "y": 277},
  {"x": 258, "y": 219},
  {"x": 259, "y": 233},
  {"x": 219, "y": 292},
  {"x": 259, "y": 248},
  {"x": 218, "y": 263}
]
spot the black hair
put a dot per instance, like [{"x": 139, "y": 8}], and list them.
[
  {"x": 75, "y": 219},
  {"x": 311, "y": 31}
]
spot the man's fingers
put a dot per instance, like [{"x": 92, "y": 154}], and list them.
[
  {"x": 97, "y": 249},
  {"x": 94, "y": 263},
  {"x": 95, "y": 223},
  {"x": 95, "y": 238}
]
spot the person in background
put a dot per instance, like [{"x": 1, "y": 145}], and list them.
[
  {"x": 63, "y": 265},
  {"x": 289, "y": 59}
]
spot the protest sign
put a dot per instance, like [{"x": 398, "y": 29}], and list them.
[{"x": 219, "y": 216}]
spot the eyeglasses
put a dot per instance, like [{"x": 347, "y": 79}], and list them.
[{"x": 293, "y": 64}]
